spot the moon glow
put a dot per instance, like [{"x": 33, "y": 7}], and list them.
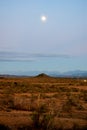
[{"x": 43, "y": 18}]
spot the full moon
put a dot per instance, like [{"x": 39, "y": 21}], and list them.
[{"x": 43, "y": 18}]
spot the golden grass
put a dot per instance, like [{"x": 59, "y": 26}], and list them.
[{"x": 59, "y": 103}]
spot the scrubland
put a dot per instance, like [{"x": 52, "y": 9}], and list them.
[{"x": 43, "y": 103}]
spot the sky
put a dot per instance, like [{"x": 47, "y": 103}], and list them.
[{"x": 28, "y": 44}]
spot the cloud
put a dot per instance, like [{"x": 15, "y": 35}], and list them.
[
  {"x": 15, "y": 56},
  {"x": 51, "y": 55}
]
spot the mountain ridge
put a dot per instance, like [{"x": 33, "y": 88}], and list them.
[{"x": 76, "y": 73}]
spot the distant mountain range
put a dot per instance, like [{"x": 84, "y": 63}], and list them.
[{"x": 77, "y": 73}]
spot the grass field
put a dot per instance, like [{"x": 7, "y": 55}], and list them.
[{"x": 43, "y": 103}]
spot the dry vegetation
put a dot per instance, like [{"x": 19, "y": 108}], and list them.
[{"x": 43, "y": 103}]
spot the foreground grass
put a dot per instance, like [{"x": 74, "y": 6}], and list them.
[{"x": 49, "y": 103}]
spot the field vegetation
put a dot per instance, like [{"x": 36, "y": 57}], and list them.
[{"x": 43, "y": 103}]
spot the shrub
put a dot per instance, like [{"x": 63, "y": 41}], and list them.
[
  {"x": 42, "y": 119},
  {"x": 7, "y": 101}
]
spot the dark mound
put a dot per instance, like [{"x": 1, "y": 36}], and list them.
[{"x": 42, "y": 75}]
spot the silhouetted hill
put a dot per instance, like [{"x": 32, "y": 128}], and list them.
[{"x": 43, "y": 75}]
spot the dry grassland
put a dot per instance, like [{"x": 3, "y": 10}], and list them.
[{"x": 43, "y": 103}]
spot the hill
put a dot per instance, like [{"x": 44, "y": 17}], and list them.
[{"x": 43, "y": 75}]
